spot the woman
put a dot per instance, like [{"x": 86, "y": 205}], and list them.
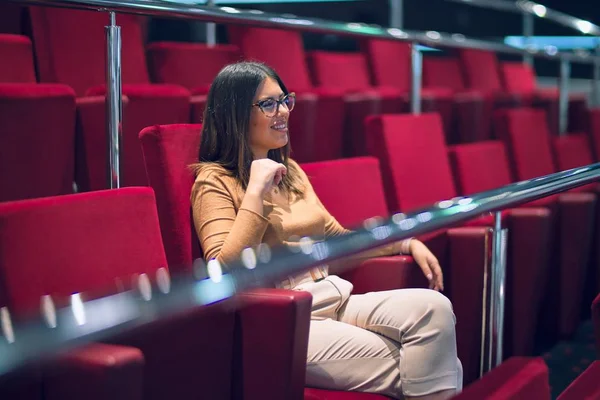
[{"x": 248, "y": 191}]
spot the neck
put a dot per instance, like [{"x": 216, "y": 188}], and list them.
[{"x": 260, "y": 154}]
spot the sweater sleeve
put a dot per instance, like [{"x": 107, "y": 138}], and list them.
[
  {"x": 334, "y": 228},
  {"x": 223, "y": 232}
]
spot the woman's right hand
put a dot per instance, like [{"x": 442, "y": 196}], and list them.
[{"x": 264, "y": 175}]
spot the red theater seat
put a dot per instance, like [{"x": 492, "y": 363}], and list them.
[
  {"x": 390, "y": 63},
  {"x": 316, "y": 127},
  {"x": 93, "y": 244},
  {"x": 349, "y": 72},
  {"x": 191, "y": 65},
  {"x": 528, "y": 143},
  {"x": 473, "y": 107},
  {"x": 519, "y": 78},
  {"x": 417, "y": 173},
  {"x": 37, "y": 135},
  {"x": 278, "y": 343},
  {"x": 70, "y": 47},
  {"x": 516, "y": 378},
  {"x": 585, "y": 386},
  {"x": 478, "y": 167}
]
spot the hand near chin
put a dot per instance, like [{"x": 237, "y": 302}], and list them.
[{"x": 264, "y": 175}]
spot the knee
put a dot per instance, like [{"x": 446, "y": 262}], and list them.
[{"x": 435, "y": 308}]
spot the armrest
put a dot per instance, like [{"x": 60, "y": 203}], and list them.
[
  {"x": 516, "y": 378},
  {"x": 464, "y": 270},
  {"x": 271, "y": 343},
  {"x": 97, "y": 371},
  {"x": 385, "y": 273}
]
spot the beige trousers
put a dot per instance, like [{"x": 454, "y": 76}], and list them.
[{"x": 397, "y": 343}]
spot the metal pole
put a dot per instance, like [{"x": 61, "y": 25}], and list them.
[
  {"x": 492, "y": 356},
  {"x": 528, "y": 22},
  {"x": 114, "y": 101},
  {"x": 397, "y": 14},
  {"x": 563, "y": 96},
  {"x": 596, "y": 79},
  {"x": 416, "y": 79},
  {"x": 211, "y": 29}
]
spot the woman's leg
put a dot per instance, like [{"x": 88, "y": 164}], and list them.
[
  {"x": 345, "y": 357},
  {"x": 422, "y": 322}
]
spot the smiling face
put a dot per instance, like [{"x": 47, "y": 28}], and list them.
[{"x": 268, "y": 131}]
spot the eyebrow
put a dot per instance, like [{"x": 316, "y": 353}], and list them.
[{"x": 272, "y": 97}]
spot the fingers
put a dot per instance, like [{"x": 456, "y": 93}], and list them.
[{"x": 438, "y": 279}]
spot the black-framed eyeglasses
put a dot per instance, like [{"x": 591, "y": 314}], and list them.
[{"x": 270, "y": 107}]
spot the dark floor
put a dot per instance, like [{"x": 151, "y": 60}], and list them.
[{"x": 567, "y": 359}]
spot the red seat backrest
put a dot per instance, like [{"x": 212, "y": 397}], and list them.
[
  {"x": 282, "y": 50},
  {"x": 389, "y": 62},
  {"x": 414, "y": 160},
  {"x": 169, "y": 150},
  {"x": 77, "y": 243},
  {"x": 345, "y": 71},
  {"x": 191, "y": 65},
  {"x": 479, "y": 166},
  {"x": 70, "y": 46},
  {"x": 350, "y": 189},
  {"x": 481, "y": 70},
  {"x": 527, "y": 140},
  {"x": 17, "y": 55},
  {"x": 443, "y": 72},
  {"x": 518, "y": 77},
  {"x": 572, "y": 151}
]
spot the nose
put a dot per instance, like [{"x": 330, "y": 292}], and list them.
[{"x": 283, "y": 110}]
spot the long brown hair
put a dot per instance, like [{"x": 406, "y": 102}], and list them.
[{"x": 226, "y": 124}]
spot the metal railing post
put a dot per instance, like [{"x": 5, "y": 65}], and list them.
[
  {"x": 211, "y": 29},
  {"x": 416, "y": 79},
  {"x": 563, "y": 96},
  {"x": 397, "y": 14},
  {"x": 527, "y": 34},
  {"x": 114, "y": 102}
]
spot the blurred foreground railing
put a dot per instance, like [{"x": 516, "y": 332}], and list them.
[{"x": 63, "y": 328}]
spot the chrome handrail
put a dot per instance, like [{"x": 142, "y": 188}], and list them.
[
  {"x": 21, "y": 343},
  {"x": 258, "y": 18},
  {"x": 537, "y": 10}
]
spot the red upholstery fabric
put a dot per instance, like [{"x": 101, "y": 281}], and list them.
[
  {"x": 96, "y": 372},
  {"x": 573, "y": 151},
  {"x": 358, "y": 179},
  {"x": 191, "y": 65},
  {"x": 516, "y": 378},
  {"x": 168, "y": 153},
  {"x": 317, "y": 123},
  {"x": 272, "y": 325},
  {"x": 317, "y": 394},
  {"x": 390, "y": 64},
  {"x": 17, "y": 49},
  {"x": 37, "y": 137},
  {"x": 349, "y": 72},
  {"x": 585, "y": 386},
  {"x": 528, "y": 142},
  {"x": 265, "y": 44},
  {"x": 520, "y": 78},
  {"x": 473, "y": 108},
  {"x": 483, "y": 166},
  {"x": 70, "y": 48},
  {"x": 482, "y": 72},
  {"x": 87, "y": 243},
  {"x": 389, "y": 137}
]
